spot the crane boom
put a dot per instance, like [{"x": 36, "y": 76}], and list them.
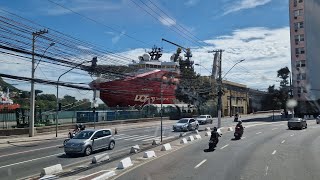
[{"x": 174, "y": 44}]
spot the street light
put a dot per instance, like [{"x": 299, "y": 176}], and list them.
[
  {"x": 50, "y": 45},
  {"x": 57, "y": 110},
  {"x": 232, "y": 67}
]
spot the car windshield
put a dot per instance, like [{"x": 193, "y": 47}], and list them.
[
  {"x": 295, "y": 120},
  {"x": 183, "y": 121},
  {"x": 84, "y": 135},
  {"x": 202, "y": 117}
]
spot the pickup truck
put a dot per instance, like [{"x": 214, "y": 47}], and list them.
[{"x": 205, "y": 119}]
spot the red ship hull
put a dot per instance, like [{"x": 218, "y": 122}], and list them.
[
  {"x": 9, "y": 107},
  {"x": 139, "y": 90}
]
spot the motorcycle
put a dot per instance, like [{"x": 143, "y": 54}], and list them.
[
  {"x": 238, "y": 133},
  {"x": 71, "y": 135},
  {"x": 213, "y": 144}
]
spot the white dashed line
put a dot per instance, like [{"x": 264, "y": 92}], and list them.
[
  {"x": 274, "y": 128},
  {"x": 258, "y": 132},
  {"x": 274, "y": 152},
  {"x": 292, "y": 135},
  {"x": 200, "y": 163},
  {"x": 224, "y": 146},
  {"x": 283, "y": 141},
  {"x": 243, "y": 137}
]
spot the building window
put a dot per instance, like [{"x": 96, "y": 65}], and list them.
[
  {"x": 300, "y": 50},
  {"x": 298, "y": 25},
  {"x": 299, "y": 37},
  {"x": 300, "y": 1},
  {"x": 301, "y": 63},
  {"x": 298, "y": 12},
  {"x": 301, "y": 76}
]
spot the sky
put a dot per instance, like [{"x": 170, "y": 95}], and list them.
[{"x": 254, "y": 30}]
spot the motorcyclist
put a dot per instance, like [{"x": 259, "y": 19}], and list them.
[
  {"x": 76, "y": 130},
  {"x": 239, "y": 127},
  {"x": 236, "y": 117},
  {"x": 215, "y": 136}
]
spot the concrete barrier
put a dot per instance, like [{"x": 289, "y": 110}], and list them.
[
  {"x": 198, "y": 136},
  {"x": 125, "y": 163},
  {"x": 166, "y": 147},
  {"x": 155, "y": 142},
  {"x": 48, "y": 177},
  {"x": 190, "y": 138},
  {"x": 182, "y": 134},
  {"x": 183, "y": 141},
  {"x": 208, "y": 134},
  {"x": 149, "y": 154},
  {"x": 100, "y": 158},
  {"x": 219, "y": 131},
  {"x": 104, "y": 176},
  {"x": 51, "y": 170},
  {"x": 135, "y": 149},
  {"x": 208, "y": 129},
  {"x": 196, "y": 131},
  {"x": 230, "y": 129}
]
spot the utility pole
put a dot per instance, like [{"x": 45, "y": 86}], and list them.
[
  {"x": 219, "y": 83},
  {"x": 230, "y": 100},
  {"x": 32, "y": 93}
]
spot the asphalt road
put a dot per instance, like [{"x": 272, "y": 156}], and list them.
[
  {"x": 18, "y": 161},
  {"x": 266, "y": 152}
]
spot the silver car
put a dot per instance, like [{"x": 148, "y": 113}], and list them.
[
  {"x": 186, "y": 124},
  {"x": 88, "y": 141}
]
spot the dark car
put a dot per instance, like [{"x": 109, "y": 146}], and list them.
[{"x": 297, "y": 123}]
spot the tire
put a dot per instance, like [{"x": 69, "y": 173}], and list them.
[
  {"x": 306, "y": 126},
  {"x": 289, "y": 128},
  {"x": 197, "y": 127},
  {"x": 69, "y": 154},
  {"x": 111, "y": 145},
  {"x": 87, "y": 150},
  {"x": 317, "y": 122}
]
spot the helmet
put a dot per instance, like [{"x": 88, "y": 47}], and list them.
[
  {"x": 239, "y": 122},
  {"x": 214, "y": 128}
]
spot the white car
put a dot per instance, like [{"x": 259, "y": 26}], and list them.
[
  {"x": 186, "y": 124},
  {"x": 318, "y": 119},
  {"x": 205, "y": 119}
]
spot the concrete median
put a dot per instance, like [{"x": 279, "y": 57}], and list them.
[
  {"x": 183, "y": 141},
  {"x": 135, "y": 149},
  {"x": 149, "y": 154},
  {"x": 166, "y": 147},
  {"x": 125, "y": 163},
  {"x": 100, "y": 158},
  {"x": 208, "y": 134},
  {"x": 51, "y": 170},
  {"x": 106, "y": 175},
  {"x": 208, "y": 129},
  {"x": 190, "y": 138},
  {"x": 197, "y": 136}
]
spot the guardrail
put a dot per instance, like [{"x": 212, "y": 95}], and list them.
[{"x": 45, "y": 129}]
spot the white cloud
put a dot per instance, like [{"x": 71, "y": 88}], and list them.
[
  {"x": 244, "y": 4},
  {"x": 117, "y": 37},
  {"x": 191, "y": 2},
  {"x": 167, "y": 21}
]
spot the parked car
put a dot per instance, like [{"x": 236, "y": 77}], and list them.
[
  {"x": 297, "y": 123},
  {"x": 318, "y": 119},
  {"x": 186, "y": 124},
  {"x": 88, "y": 141},
  {"x": 205, "y": 119}
]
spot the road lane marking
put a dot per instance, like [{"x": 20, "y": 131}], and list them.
[
  {"x": 29, "y": 151},
  {"x": 292, "y": 135},
  {"x": 224, "y": 146},
  {"x": 9, "y": 165},
  {"x": 258, "y": 132},
  {"x": 274, "y": 128},
  {"x": 283, "y": 141},
  {"x": 274, "y": 152},
  {"x": 200, "y": 163},
  {"x": 243, "y": 138},
  {"x": 267, "y": 168}
]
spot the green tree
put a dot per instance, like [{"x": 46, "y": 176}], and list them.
[{"x": 283, "y": 73}]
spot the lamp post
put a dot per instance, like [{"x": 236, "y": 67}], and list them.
[{"x": 57, "y": 105}]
